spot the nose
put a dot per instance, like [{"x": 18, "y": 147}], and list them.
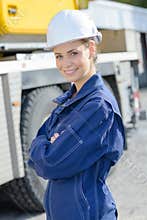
[{"x": 66, "y": 62}]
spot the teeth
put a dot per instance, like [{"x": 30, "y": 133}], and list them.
[{"x": 69, "y": 71}]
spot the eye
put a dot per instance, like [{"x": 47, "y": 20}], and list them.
[
  {"x": 74, "y": 53},
  {"x": 59, "y": 57}
]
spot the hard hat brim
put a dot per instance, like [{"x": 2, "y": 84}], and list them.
[{"x": 98, "y": 39}]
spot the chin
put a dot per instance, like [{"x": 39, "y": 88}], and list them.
[{"x": 71, "y": 79}]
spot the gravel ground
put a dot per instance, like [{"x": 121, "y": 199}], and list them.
[{"x": 129, "y": 181}]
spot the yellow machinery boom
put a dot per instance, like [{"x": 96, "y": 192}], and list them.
[{"x": 29, "y": 16}]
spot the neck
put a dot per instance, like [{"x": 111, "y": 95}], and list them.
[{"x": 83, "y": 80}]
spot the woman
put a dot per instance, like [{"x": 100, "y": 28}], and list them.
[{"x": 84, "y": 136}]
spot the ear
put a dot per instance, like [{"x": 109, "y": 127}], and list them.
[{"x": 92, "y": 48}]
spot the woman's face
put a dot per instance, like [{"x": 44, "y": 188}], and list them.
[{"x": 73, "y": 60}]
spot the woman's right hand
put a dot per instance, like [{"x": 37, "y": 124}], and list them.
[{"x": 54, "y": 137}]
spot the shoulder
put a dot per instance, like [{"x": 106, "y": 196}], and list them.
[{"x": 98, "y": 106}]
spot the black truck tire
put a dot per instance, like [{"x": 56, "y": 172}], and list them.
[{"x": 27, "y": 193}]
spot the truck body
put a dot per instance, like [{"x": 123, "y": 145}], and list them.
[{"x": 29, "y": 80}]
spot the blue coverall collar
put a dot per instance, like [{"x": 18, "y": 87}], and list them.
[{"x": 92, "y": 84}]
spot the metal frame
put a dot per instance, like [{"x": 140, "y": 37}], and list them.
[
  {"x": 10, "y": 124},
  {"x": 42, "y": 61},
  {"x": 11, "y": 93}
]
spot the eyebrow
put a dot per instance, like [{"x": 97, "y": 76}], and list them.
[{"x": 69, "y": 51}]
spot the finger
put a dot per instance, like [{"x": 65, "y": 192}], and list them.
[
  {"x": 56, "y": 135},
  {"x": 52, "y": 139}
]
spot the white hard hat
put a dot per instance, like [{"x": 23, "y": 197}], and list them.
[{"x": 69, "y": 25}]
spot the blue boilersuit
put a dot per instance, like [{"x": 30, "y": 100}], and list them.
[{"x": 77, "y": 163}]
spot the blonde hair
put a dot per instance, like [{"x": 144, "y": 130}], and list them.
[{"x": 86, "y": 42}]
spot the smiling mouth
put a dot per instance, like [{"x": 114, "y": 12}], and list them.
[{"x": 70, "y": 72}]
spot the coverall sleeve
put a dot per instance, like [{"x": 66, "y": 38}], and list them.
[{"x": 82, "y": 143}]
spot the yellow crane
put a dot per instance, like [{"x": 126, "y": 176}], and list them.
[{"x": 29, "y": 16}]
